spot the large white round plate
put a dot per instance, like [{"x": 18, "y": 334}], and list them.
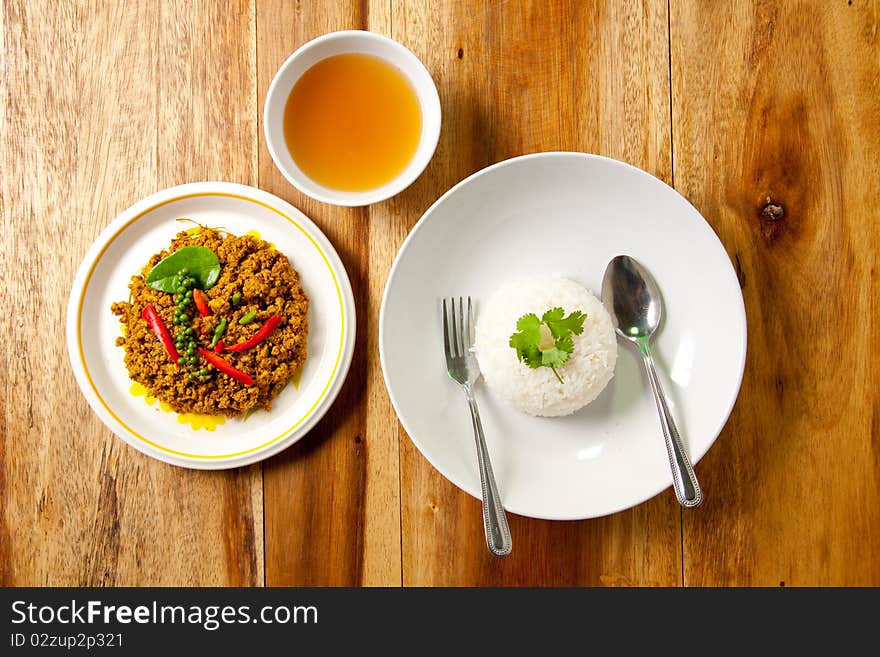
[
  {"x": 566, "y": 214},
  {"x": 121, "y": 251}
]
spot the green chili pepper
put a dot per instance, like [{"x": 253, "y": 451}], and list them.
[
  {"x": 218, "y": 332},
  {"x": 247, "y": 319}
]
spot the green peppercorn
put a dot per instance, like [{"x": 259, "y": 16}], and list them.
[
  {"x": 181, "y": 361},
  {"x": 203, "y": 372},
  {"x": 236, "y": 299}
]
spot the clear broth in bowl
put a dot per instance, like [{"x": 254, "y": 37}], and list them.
[{"x": 352, "y": 122}]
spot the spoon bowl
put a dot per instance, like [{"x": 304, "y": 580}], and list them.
[{"x": 633, "y": 299}]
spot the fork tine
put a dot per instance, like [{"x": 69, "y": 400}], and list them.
[
  {"x": 470, "y": 324},
  {"x": 463, "y": 338},
  {"x": 446, "y": 331},
  {"x": 454, "y": 337}
]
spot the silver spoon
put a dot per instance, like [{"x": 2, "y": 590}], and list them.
[{"x": 633, "y": 299}]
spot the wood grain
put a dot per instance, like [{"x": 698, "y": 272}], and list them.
[
  {"x": 516, "y": 78},
  {"x": 781, "y": 157},
  {"x": 87, "y": 90},
  {"x": 332, "y": 509}
]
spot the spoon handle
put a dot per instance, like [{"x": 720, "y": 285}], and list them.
[{"x": 684, "y": 480}]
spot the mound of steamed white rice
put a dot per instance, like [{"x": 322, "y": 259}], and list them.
[{"x": 537, "y": 391}]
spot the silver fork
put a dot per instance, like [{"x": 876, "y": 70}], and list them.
[{"x": 458, "y": 338}]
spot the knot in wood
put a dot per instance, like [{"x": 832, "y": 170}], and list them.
[{"x": 772, "y": 211}]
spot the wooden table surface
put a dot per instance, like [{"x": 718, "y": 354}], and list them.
[{"x": 765, "y": 115}]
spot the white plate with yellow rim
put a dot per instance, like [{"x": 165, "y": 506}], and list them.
[{"x": 121, "y": 251}]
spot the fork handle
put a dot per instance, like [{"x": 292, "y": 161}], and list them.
[{"x": 494, "y": 518}]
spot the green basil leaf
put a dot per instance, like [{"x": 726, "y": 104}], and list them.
[{"x": 201, "y": 262}]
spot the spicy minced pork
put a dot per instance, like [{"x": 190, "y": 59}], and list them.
[{"x": 267, "y": 283}]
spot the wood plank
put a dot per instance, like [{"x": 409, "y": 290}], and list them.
[
  {"x": 80, "y": 123},
  {"x": 207, "y": 130},
  {"x": 382, "y": 562},
  {"x": 792, "y": 121},
  {"x": 516, "y": 78},
  {"x": 331, "y": 501},
  {"x": 207, "y": 113}
]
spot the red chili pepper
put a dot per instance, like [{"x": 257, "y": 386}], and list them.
[
  {"x": 204, "y": 330},
  {"x": 219, "y": 347},
  {"x": 201, "y": 302},
  {"x": 152, "y": 318},
  {"x": 226, "y": 368},
  {"x": 257, "y": 337}
]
